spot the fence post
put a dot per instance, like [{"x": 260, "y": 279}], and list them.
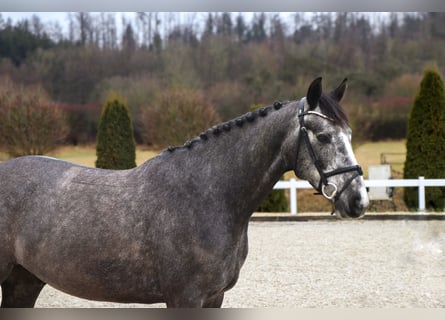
[
  {"x": 421, "y": 194},
  {"x": 293, "y": 196}
]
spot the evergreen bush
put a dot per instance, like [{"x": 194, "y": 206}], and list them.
[
  {"x": 116, "y": 148},
  {"x": 276, "y": 200},
  {"x": 425, "y": 141}
]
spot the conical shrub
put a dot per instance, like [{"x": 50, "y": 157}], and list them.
[
  {"x": 425, "y": 141},
  {"x": 116, "y": 148}
]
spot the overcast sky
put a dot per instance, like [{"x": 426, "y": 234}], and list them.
[
  {"x": 51, "y": 17},
  {"x": 45, "y": 16},
  {"x": 62, "y": 17}
]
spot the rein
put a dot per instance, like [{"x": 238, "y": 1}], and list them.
[{"x": 324, "y": 183}]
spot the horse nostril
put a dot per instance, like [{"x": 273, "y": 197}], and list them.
[
  {"x": 358, "y": 206},
  {"x": 358, "y": 202}
]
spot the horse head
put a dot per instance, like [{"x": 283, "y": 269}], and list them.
[{"x": 324, "y": 153}]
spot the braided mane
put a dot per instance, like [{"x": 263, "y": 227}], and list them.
[{"x": 239, "y": 122}]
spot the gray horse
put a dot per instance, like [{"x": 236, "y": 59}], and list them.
[{"x": 174, "y": 229}]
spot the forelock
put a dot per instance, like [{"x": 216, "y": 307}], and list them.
[{"x": 331, "y": 108}]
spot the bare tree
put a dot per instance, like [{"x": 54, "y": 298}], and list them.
[
  {"x": 84, "y": 25},
  {"x": 29, "y": 123},
  {"x": 177, "y": 115}
]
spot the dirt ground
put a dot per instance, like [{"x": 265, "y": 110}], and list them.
[{"x": 372, "y": 264}]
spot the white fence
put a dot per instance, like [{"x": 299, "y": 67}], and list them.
[{"x": 420, "y": 183}]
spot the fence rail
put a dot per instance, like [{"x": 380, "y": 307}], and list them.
[{"x": 420, "y": 183}]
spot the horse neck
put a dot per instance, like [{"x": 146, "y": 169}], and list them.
[{"x": 242, "y": 165}]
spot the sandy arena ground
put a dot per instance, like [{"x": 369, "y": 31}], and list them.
[{"x": 390, "y": 263}]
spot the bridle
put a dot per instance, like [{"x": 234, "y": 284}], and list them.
[{"x": 324, "y": 183}]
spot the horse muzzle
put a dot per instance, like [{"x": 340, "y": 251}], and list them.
[{"x": 353, "y": 202}]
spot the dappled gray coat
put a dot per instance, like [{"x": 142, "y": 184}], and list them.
[{"x": 172, "y": 230}]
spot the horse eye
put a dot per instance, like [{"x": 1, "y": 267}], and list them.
[{"x": 324, "y": 138}]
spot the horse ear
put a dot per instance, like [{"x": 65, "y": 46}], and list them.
[
  {"x": 339, "y": 92},
  {"x": 314, "y": 93}
]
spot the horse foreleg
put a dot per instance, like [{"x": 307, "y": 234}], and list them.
[
  {"x": 20, "y": 289},
  {"x": 189, "y": 301},
  {"x": 184, "y": 302},
  {"x": 214, "y": 302}
]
